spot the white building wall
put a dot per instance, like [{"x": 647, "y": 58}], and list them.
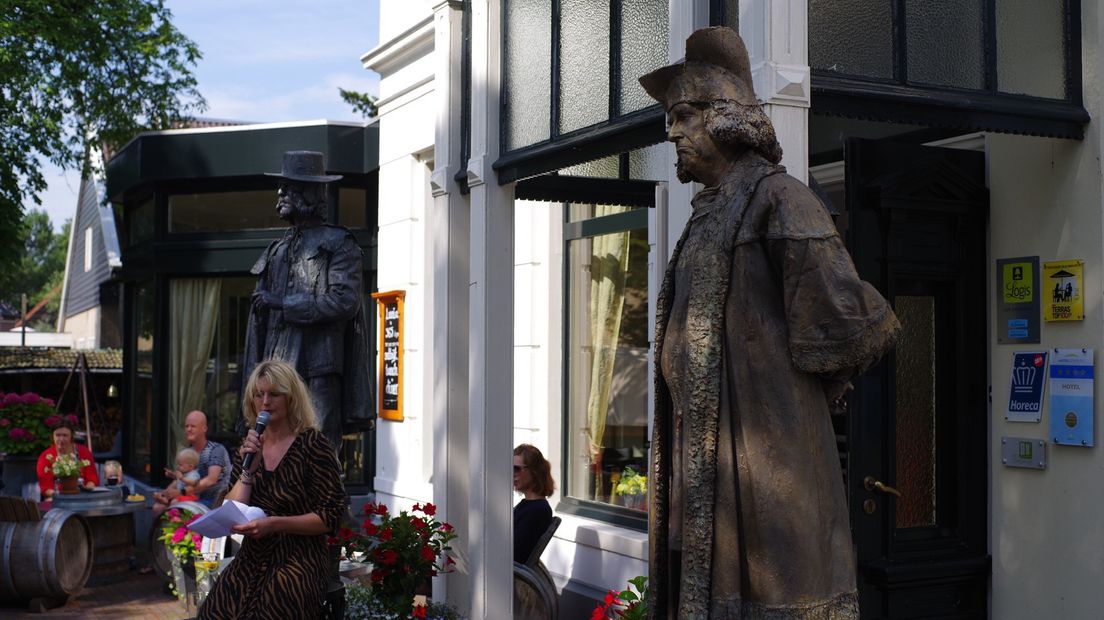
[{"x": 1046, "y": 200}]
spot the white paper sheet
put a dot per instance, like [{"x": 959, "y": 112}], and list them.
[{"x": 218, "y": 522}]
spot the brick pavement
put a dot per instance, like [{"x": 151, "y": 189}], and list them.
[{"x": 131, "y": 596}]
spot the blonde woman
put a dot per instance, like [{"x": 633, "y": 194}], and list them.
[{"x": 295, "y": 478}]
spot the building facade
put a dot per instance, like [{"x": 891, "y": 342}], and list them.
[{"x": 528, "y": 207}]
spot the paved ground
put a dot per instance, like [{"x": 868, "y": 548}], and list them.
[{"x": 132, "y": 596}]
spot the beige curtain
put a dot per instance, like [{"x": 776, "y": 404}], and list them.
[
  {"x": 194, "y": 315},
  {"x": 609, "y": 263}
]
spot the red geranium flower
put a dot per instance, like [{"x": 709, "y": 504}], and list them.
[
  {"x": 429, "y": 509},
  {"x": 427, "y": 553},
  {"x": 385, "y": 535}
]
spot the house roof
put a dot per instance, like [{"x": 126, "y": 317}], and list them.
[{"x": 22, "y": 359}]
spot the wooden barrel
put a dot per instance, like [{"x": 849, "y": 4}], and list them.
[
  {"x": 161, "y": 555},
  {"x": 47, "y": 558},
  {"x": 111, "y": 522}
]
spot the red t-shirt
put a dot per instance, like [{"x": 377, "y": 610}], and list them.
[{"x": 46, "y": 475}]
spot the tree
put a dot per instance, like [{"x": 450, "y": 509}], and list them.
[
  {"x": 81, "y": 73},
  {"x": 362, "y": 103},
  {"x": 39, "y": 269}
]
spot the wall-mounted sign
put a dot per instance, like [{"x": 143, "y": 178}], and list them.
[
  {"x": 1062, "y": 281},
  {"x": 1023, "y": 452},
  {"x": 1018, "y": 300},
  {"x": 390, "y": 365},
  {"x": 1025, "y": 392},
  {"x": 1071, "y": 397}
]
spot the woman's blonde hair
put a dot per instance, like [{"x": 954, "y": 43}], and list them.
[{"x": 284, "y": 379}]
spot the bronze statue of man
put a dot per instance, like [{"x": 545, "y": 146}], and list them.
[
  {"x": 760, "y": 323},
  {"x": 308, "y": 304}
]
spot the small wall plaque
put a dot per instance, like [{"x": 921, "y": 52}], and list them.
[{"x": 1023, "y": 452}]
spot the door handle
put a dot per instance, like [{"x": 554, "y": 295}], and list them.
[{"x": 873, "y": 484}]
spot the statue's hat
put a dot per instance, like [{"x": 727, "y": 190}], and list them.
[
  {"x": 716, "y": 67},
  {"x": 305, "y": 166}
]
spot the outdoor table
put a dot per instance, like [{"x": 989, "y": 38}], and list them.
[{"x": 111, "y": 519}]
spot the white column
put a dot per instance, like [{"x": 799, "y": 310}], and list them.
[
  {"x": 446, "y": 313},
  {"x": 776, "y": 34},
  {"x": 490, "y": 358}
]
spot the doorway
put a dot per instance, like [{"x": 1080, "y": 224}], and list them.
[{"x": 916, "y": 425}]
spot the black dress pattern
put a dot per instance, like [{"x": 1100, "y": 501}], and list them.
[{"x": 284, "y": 575}]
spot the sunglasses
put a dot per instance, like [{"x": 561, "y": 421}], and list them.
[{"x": 518, "y": 468}]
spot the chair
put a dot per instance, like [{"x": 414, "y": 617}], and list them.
[
  {"x": 18, "y": 510},
  {"x": 534, "y": 592}
]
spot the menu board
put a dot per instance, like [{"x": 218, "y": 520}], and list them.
[{"x": 390, "y": 305}]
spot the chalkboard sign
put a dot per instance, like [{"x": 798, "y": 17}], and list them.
[{"x": 390, "y": 365}]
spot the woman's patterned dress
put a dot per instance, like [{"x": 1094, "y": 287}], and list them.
[{"x": 284, "y": 576}]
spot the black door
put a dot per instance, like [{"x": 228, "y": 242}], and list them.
[{"x": 916, "y": 425}]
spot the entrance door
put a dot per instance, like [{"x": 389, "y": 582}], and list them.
[{"x": 917, "y": 435}]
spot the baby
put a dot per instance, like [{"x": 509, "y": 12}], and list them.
[{"x": 186, "y": 474}]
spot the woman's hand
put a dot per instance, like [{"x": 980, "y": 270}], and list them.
[
  {"x": 253, "y": 443},
  {"x": 257, "y": 528},
  {"x": 89, "y": 485}
]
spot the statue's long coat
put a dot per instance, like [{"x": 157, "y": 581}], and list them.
[{"x": 761, "y": 318}]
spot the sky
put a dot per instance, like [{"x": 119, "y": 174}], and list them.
[{"x": 263, "y": 61}]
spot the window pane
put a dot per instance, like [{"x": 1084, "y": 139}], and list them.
[
  {"x": 608, "y": 366},
  {"x": 604, "y": 168},
  {"x": 643, "y": 48},
  {"x": 224, "y": 381},
  {"x": 916, "y": 440},
  {"x": 1025, "y": 65},
  {"x": 945, "y": 42},
  {"x": 223, "y": 211},
  {"x": 649, "y": 163},
  {"x": 142, "y": 405},
  {"x": 851, "y": 36},
  {"x": 584, "y": 63},
  {"x": 352, "y": 207},
  {"x": 141, "y": 222},
  {"x": 528, "y": 64}
]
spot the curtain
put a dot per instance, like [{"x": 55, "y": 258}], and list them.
[
  {"x": 194, "y": 316},
  {"x": 608, "y": 265}
]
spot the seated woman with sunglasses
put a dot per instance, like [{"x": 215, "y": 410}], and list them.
[{"x": 532, "y": 515}]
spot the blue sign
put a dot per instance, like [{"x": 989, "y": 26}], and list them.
[
  {"x": 1071, "y": 397},
  {"x": 1025, "y": 392}
]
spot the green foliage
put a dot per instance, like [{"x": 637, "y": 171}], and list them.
[
  {"x": 631, "y": 483},
  {"x": 76, "y": 74},
  {"x": 40, "y": 268},
  {"x": 361, "y": 604},
  {"x": 362, "y": 103},
  {"x": 625, "y": 605}
]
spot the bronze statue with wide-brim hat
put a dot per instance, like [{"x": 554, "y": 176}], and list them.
[
  {"x": 761, "y": 322},
  {"x": 308, "y": 304}
]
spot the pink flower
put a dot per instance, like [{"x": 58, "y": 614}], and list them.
[
  {"x": 174, "y": 513},
  {"x": 179, "y": 534},
  {"x": 72, "y": 419},
  {"x": 4, "y": 422},
  {"x": 196, "y": 539},
  {"x": 12, "y": 399},
  {"x": 48, "y": 401},
  {"x": 30, "y": 398},
  {"x": 52, "y": 421}
]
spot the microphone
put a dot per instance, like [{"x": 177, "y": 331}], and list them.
[{"x": 262, "y": 422}]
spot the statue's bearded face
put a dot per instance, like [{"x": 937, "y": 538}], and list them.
[
  {"x": 700, "y": 157},
  {"x": 297, "y": 200}
]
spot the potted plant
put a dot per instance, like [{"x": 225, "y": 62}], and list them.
[
  {"x": 632, "y": 487},
  {"x": 183, "y": 547},
  {"x": 26, "y": 423},
  {"x": 405, "y": 551},
  {"x": 625, "y": 605},
  {"x": 66, "y": 468}
]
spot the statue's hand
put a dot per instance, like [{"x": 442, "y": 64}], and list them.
[{"x": 266, "y": 299}]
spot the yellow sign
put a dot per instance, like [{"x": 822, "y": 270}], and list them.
[
  {"x": 1017, "y": 285},
  {"x": 1062, "y": 281}
]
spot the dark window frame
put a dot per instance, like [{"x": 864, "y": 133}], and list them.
[
  {"x": 986, "y": 109},
  {"x": 618, "y": 133}
]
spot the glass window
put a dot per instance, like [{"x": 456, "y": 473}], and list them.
[
  {"x": 851, "y": 36},
  {"x": 945, "y": 42},
  {"x": 607, "y": 358},
  {"x": 141, "y": 222},
  {"x": 143, "y": 404},
  {"x": 223, "y": 382},
  {"x": 189, "y": 213},
  {"x": 643, "y": 49},
  {"x": 352, "y": 207},
  {"x": 528, "y": 68},
  {"x": 584, "y": 63},
  {"x": 1023, "y": 68}
]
